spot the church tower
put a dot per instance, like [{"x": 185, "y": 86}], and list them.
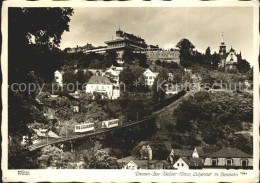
[{"x": 222, "y": 47}]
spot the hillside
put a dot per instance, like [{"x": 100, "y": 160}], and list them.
[{"x": 221, "y": 119}]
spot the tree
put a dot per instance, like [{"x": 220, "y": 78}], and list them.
[
  {"x": 53, "y": 156},
  {"x": 67, "y": 128},
  {"x": 158, "y": 90},
  {"x": 33, "y": 55},
  {"x": 207, "y": 79},
  {"x": 131, "y": 77},
  {"x": 208, "y": 52},
  {"x": 82, "y": 78},
  {"x": 98, "y": 158},
  {"x": 102, "y": 160},
  {"x": 110, "y": 59},
  {"x": 142, "y": 59},
  {"x": 186, "y": 51},
  {"x": 158, "y": 63},
  {"x": 215, "y": 60},
  {"x": 34, "y": 36},
  {"x": 243, "y": 66},
  {"x": 128, "y": 56},
  {"x": 69, "y": 81}
]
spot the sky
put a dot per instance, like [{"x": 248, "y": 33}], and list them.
[{"x": 203, "y": 26}]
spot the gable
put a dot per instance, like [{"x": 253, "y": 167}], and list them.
[
  {"x": 131, "y": 164},
  {"x": 195, "y": 153},
  {"x": 180, "y": 163},
  {"x": 148, "y": 72}
]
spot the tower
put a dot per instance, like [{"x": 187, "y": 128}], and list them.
[
  {"x": 119, "y": 32},
  {"x": 222, "y": 47}
]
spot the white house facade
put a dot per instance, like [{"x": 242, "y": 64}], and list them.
[
  {"x": 230, "y": 158},
  {"x": 149, "y": 77},
  {"x": 58, "y": 77},
  {"x": 102, "y": 85},
  {"x": 180, "y": 164}
]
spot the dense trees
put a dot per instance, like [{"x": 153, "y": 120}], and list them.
[
  {"x": 186, "y": 52},
  {"x": 75, "y": 81},
  {"x": 33, "y": 38},
  {"x": 97, "y": 158},
  {"x": 128, "y": 56},
  {"x": 191, "y": 58},
  {"x": 216, "y": 115},
  {"x": 33, "y": 55},
  {"x": 132, "y": 79},
  {"x": 209, "y": 119},
  {"x": 55, "y": 157}
]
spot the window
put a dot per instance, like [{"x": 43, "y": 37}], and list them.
[
  {"x": 244, "y": 162},
  {"x": 229, "y": 162},
  {"x": 214, "y": 162},
  {"x": 182, "y": 164},
  {"x": 178, "y": 164}
]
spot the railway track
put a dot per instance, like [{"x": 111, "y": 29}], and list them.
[{"x": 101, "y": 131}]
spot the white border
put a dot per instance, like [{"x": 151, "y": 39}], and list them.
[{"x": 125, "y": 175}]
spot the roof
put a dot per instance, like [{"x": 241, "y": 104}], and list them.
[
  {"x": 42, "y": 133},
  {"x": 155, "y": 144},
  {"x": 140, "y": 163},
  {"x": 157, "y": 161},
  {"x": 99, "y": 80},
  {"x": 126, "y": 159},
  {"x": 111, "y": 71},
  {"x": 183, "y": 152},
  {"x": 204, "y": 151},
  {"x": 193, "y": 161},
  {"x": 229, "y": 152},
  {"x": 149, "y": 71},
  {"x": 94, "y": 71}
]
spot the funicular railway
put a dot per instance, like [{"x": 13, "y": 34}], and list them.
[{"x": 157, "y": 109}]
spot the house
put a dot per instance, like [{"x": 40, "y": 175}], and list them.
[
  {"x": 158, "y": 164},
  {"x": 228, "y": 60},
  {"x": 116, "y": 69},
  {"x": 155, "y": 150},
  {"x": 58, "y": 77},
  {"x": 175, "y": 154},
  {"x": 146, "y": 152},
  {"x": 102, "y": 85},
  {"x": 149, "y": 77},
  {"x": 132, "y": 163},
  {"x": 202, "y": 152},
  {"x": 185, "y": 163},
  {"x": 112, "y": 75},
  {"x": 229, "y": 158},
  {"x": 97, "y": 72},
  {"x": 41, "y": 135}
]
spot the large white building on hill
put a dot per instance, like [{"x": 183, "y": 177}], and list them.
[{"x": 103, "y": 86}]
